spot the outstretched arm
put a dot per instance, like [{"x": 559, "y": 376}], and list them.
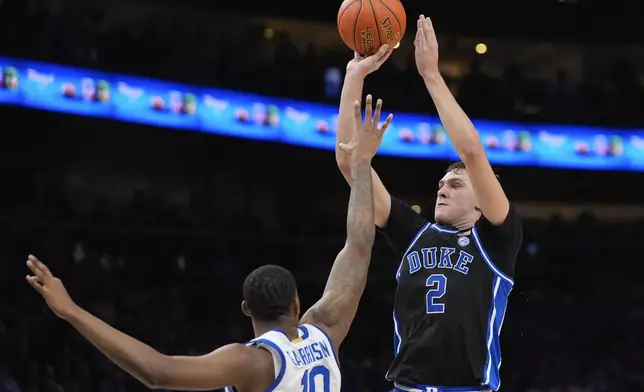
[
  {"x": 234, "y": 364},
  {"x": 335, "y": 311},
  {"x": 492, "y": 200},
  {"x": 357, "y": 70}
]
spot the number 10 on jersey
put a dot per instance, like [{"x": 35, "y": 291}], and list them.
[
  {"x": 437, "y": 284},
  {"x": 309, "y": 377}
]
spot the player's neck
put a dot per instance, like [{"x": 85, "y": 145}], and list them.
[
  {"x": 464, "y": 226},
  {"x": 466, "y": 223},
  {"x": 285, "y": 324}
]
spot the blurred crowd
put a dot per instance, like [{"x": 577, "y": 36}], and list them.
[{"x": 240, "y": 56}]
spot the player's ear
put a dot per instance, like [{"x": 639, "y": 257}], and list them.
[
  {"x": 244, "y": 307},
  {"x": 296, "y": 306},
  {"x": 477, "y": 208}
]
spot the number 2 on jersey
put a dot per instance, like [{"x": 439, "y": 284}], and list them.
[
  {"x": 308, "y": 379},
  {"x": 438, "y": 287}
]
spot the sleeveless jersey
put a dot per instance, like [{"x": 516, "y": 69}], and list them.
[
  {"x": 307, "y": 364},
  {"x": 450, "y": 301}
]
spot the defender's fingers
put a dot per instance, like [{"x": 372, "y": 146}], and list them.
[
  {"x": 356, "y": 111},
  {"x": 40, "y": 265},
  {"x": 35, "y": 270},
  {"x": 376, "y": 114},
  {"x": 368, "y": 109},
  {"x": 35, "y": 283},
  {"x": 386, "y": 124}
]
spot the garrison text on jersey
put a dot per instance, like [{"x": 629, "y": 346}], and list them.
[
  {"x": 451, "y": 298},
  {"x": 306, "y": 364}
]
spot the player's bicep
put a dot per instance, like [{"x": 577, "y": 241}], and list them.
[
  {"x": 492, "y": 200},
  {"x": 381, "y": 197},
  {"x": 228, "y": 365}
]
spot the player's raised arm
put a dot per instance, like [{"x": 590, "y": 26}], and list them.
[
  {"x": 234, "y": 364},
  {"x": 335, "y": 311},
  {"x": 493, "y": 202},
  {"x": 357, "y": 70}
]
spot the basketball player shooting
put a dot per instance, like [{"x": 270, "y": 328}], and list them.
[
  {"x": 454, "y": 275},
  {"x": 287, "y": 354}
]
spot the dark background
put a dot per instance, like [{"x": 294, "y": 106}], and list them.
[{"x": 154, "y": 229}]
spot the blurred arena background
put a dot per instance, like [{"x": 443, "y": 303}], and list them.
[{"x": 154, "y": 228}]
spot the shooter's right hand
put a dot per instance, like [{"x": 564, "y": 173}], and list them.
[{"x": 364, "y": 65}]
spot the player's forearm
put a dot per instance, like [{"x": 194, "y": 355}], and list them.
[
  {"x": 136, "y": 358},
  {"x": 348, "y": 276},
  {"x": 457, "y": 124},
  {"x": 351, "y": 92},
  {"x": 360, "y": 217}
]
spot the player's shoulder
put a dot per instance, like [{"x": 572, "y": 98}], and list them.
[
  {"x": 511, "y": 224},
  {"x": 255, "y": 362},
  {"x": 403, "y": 215},
  {"x": 398, "y": 205}
]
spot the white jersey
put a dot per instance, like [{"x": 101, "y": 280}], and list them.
[{"x": 306, "y": 364}]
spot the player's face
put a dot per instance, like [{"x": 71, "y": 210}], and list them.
[{"x": 455, "y": 199}]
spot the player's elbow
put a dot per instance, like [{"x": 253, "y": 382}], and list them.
[
  {"x": 151, "y": 382},
  {"x": 158, "y": 373},
  {"x": 471, "y": 152},
  {"x": 154, "y": 381}
]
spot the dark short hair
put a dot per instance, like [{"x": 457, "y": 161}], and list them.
[
  {"x": 458, "y": 167},
  {"x": 269, "y": 292}
]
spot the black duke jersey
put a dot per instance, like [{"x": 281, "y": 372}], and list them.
[{"x": 451, "y": 298}]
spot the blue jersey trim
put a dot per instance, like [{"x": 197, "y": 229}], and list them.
[
  {"x": 411, "y": 244},
  {"x": 501, "y": 291},
  {"x": 305, "y": 332},
  {"x": 277, "y": 350},
  {"x": 397, "y": 335},
  {"x": 487, "y": 258},
  {"x": 335, "y": 356},
  {"x": 433, "y": 388}
]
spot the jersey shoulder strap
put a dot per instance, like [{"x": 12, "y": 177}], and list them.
[
  {"x": 317, "y": 333},
  {"x": 274, "y": 342}
]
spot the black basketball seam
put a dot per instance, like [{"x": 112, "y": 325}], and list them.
[
  {"x": 373, "y": 11},
  {"x": 395, "y": 17},
  {"x": 346, "y": 9},
  {"x": 355, "y": 25}
]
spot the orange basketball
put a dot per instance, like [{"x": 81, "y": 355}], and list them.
[{"x": 365, "y": 25}]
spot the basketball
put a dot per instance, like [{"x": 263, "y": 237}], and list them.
[{"x": 366, "y": 25}]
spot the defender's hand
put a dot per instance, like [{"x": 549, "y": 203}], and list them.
[
  {"x": 364, "y": 65},
  {"x": 368, "y": 135},
  {"x": 426, "y": 52},
  {"x": 50, "y": 287}
]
